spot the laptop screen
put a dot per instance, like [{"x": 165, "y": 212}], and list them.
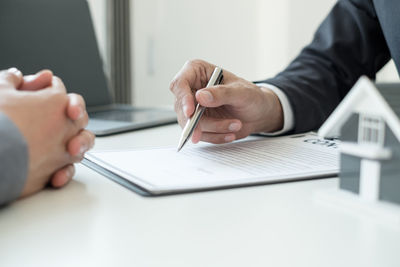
[{"x": 56, "y": 35}]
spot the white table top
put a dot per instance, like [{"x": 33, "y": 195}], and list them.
[{"x": 96, "y": 222}]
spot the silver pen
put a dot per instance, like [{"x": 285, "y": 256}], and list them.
[{"x": 216, "y": 78}]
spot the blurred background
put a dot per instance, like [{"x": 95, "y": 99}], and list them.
[{"x": 254, "y": 39}]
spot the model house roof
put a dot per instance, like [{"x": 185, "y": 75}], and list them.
[
  {"x": 366, "y": 98},
  {"x": 391, "y": 93}
]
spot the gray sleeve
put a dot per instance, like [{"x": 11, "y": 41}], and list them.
[{"x": 13, "y": 160}]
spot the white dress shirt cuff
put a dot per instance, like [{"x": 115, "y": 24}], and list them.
[{"x": 288, "y": 117}]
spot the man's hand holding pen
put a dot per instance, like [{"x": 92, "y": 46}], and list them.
[{"x": 235, "y": 109}]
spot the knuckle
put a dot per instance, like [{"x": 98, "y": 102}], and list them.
[
  {"x": 61, "y": 96},
  {"x": 72, "y": 170},
  {"x": 181, "y": 121},
  {"x": 85, "y": 120},
  {"x": 82, "y": 100},
  {"x": 189, "y": 63},
  {"x": 92, "y": 139},
  {"x": 89, "y": 135},
  {"x": 194, "y": 62},
  {"x": 58, "y": 97},
  {"x": 177, "y": 105},
  {"x": 14, "y": 72},
  {"x": 173, "y": 84},
  {"x": 59, "y": 83},
  {"x": 57, "y": 79},
  {"x": 213, "y": 138},
  {"x": 223, "y": 127},
  {"x": 225, "y": 90},
  {"x": 78, "y": 97},
  {"x": 78, "y": 158},
  {"x": 194, "y": 65},
  {"x": 216, "y": 141},
  {"x": 11, "y": 76}
]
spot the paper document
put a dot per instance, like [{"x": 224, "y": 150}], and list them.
[{"x": 206, "y": 166}]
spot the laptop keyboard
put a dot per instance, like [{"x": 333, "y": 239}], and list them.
[
  {"x": 114, "y": 115},
  {"x": 127, "y": 115}
]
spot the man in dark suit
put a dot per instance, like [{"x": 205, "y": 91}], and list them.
[{"x": 357, "y": 38}]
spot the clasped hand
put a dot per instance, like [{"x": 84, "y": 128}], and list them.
[{"x": 52, "y": 123}]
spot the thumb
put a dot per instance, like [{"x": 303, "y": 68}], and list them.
[
  {"x": 10, "y": 79},
  {"x": 215, "y": 96},
  {"x": 38, "y": 81}
]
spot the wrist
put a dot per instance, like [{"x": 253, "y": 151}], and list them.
[{"x": 274, "y": 119}]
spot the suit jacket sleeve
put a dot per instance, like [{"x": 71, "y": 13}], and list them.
[
  {"x": 349, "y": 43},
  {"x": 13, "y": 161}
]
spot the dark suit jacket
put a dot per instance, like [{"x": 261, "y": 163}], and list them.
[{"x": 357, "y": 38}]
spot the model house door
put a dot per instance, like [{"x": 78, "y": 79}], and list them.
[
  {"x": 370, "y": 174},
  {"x": 371, "y": 134}
]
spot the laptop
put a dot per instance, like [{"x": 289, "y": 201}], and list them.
[{"x": 59, "y": 35}]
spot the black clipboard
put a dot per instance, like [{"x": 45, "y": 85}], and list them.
[{"x": 116, "y": 178}]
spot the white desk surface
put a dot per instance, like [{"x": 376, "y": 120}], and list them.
[{"x": 96, "y": 222}]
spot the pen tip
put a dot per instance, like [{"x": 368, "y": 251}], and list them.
[{"x": 180, "y": 146}]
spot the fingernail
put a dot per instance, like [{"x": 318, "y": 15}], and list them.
[
  {"x": 15, "y": 71},
  {"x": 43, "y": 71},
  {"x": 234, "y": 127},
  {"x": 71, "y": 171},
  {"x": 30, "y": 78},
  {"x": 206, "y": 96},
  {"x": 81, "y": 113},
  {"x": 229, "y": 138},
  {"x": 185, "y": 109},
  {"x": 83, "y": 149}
]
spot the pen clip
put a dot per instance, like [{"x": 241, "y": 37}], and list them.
[{"x": 219, "y": 79}]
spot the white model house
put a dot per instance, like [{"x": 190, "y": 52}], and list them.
[{"x": 367, "y": 121}]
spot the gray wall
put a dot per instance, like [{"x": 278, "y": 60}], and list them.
[
  {"x": 390, "y": 175},
  {"x": 349, "y": 165}
]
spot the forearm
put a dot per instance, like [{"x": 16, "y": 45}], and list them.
[
  {"x": 13, "y": 161},
  {"x": 348, "y": 44}
]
